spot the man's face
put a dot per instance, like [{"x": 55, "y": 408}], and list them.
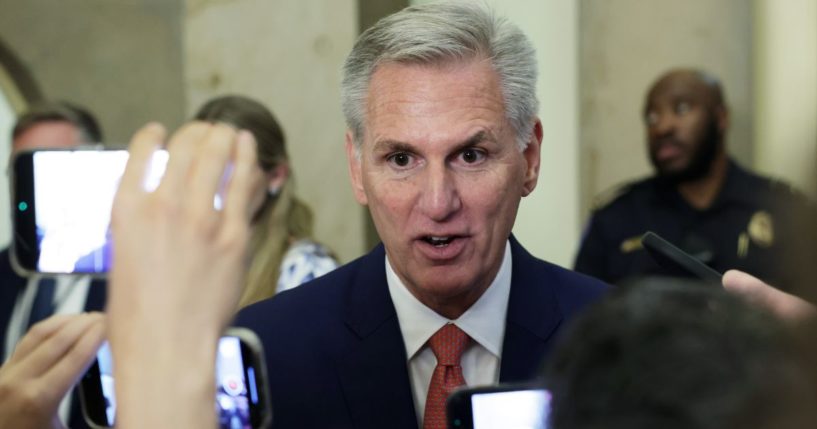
[
  {"x": 48, "y": 135},
  {"x": 442, "y": 175},
  {"x": 684, "y": 131}
]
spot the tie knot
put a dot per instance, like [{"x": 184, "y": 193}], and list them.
[{"x": 448, "y": 344}]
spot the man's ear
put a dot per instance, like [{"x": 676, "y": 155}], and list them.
[
  {"x": 355, "y": 172},
  {"x": 722, "y": 118},
  {"x": 532, "y": 154}
]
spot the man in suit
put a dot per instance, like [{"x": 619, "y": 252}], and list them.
[
  {"x": 27, "y": 300},
  {"x": 443, "y": 141}
]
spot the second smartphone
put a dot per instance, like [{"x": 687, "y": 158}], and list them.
[
  {"x": 498, "y": 407},
  {"x": 242, "y": 399}
]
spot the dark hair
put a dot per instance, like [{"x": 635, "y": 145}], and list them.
[
  {"x": 60, "y": 111},
  {"x": 678, "y": 355}
]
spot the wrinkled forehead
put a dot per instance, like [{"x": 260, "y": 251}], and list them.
[
  {"x": 688, "y": 86},
  {"x": 471, "y": 87}
]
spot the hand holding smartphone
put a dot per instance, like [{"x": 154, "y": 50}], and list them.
[{"x": 242, "y": 399}]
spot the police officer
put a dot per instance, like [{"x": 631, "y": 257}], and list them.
[{"x": 700, "y": 199}]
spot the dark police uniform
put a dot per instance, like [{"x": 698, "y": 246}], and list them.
[{"x": 755, "y": 224}]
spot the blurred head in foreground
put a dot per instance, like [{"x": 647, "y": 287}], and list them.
[{"x": 679, "y": 355}]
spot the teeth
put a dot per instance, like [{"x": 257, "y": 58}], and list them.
[{"x": 438, "y": 241}]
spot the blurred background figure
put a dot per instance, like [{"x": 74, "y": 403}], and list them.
[
  {"x": 700, "y": 199},
  {"x": 58, "y": 125},
  {"x": 25, "y": 301},
  {"x": 676, "y": 354},
  {"x": 283, "y": 253}
]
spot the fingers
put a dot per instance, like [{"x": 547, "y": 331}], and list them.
[
  {"x": 48, "y": 352},
  {"x": 739, "y": 281},
  {"x": 72, "y": 365},
  {"x": 752, "y": 289},
  {"x": 39, "y": 333},
  {"x": 142, "y": 146},
  {"x": 214, "y": 155},
  {"x": 757, "y": 292},
  {"x": 245, "y": 181},
  {"x": 182, "y": 150},
  {"x": 198, "y": 156}
]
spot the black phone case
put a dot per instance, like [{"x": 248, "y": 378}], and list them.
[{"x": 671, "y": 257}]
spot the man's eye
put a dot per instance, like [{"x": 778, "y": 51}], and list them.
[
  {"x": 471, "y": 156},
  {"x": 651, "y": 118},
  {"x": 400, "y": 159},
  {"x": 682, "y": 107}
]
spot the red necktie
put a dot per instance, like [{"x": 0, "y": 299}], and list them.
[{"x": 447, "y": 344}]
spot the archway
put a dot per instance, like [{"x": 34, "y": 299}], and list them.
[{"x": 17, "y": 91}]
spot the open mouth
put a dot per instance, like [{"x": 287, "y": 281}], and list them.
[{"x": 438, "y": 241}]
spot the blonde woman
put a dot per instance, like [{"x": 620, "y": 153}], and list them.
[{"x": 282, "y": 252}]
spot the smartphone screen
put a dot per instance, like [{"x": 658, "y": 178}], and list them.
[
  {"x": 62, "y": 208},
  {"x": 511, "y": 410},
  {"x": 240, "y": 398},
  {"x": 499, "y": 407}
]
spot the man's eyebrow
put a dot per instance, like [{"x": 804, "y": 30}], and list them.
[
  {"x": 389, "y": 145},
  {"x": 392, "y": 146},
  {"x": 479, "y": 137}
]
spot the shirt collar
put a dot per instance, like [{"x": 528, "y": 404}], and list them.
[
  {"x": 484, "y": 322},
  {"x": 733, "y": 190},
  {"x": 735, "y": 186}
]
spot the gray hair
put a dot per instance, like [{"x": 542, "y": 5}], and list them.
[{"x": 436, "y": 33}]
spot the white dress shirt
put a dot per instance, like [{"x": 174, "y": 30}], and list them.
[{"x": 484, "y": 322}]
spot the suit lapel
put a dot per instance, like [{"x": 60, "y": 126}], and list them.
[
  {"x": 374, "y": 371},
  {"x": 11, "y": 285},
  {"x": 532, "y": 319},
  {"x": 96, "y": 296}
]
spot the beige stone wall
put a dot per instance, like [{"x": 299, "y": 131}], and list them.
[
  {"x": 287, "y": 54},
  {"x": 120, "y": 58},
  {"x": 625, "y": 45},
  {"x": 785, "y": 88}
]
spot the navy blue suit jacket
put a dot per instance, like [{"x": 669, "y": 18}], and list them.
[
  {"x": 335, "y": 352},
  {"x": 11, "y": 286}
]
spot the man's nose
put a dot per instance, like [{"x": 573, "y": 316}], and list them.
[
  {"x": 439, "y": 199},
  {"x": 665, "y": 124}
]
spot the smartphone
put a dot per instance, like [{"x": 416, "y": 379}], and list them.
[
  {"x": 242, "y": 399},
  {"x": 499, "y": 407},
  {"x": 672, "y": 258},
  {"x": 61, "y": 205}
]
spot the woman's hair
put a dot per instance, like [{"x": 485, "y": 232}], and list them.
[{"x": 283, "y": 217}]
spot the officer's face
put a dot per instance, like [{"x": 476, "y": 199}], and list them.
[
  {"x": 442, "y": 175},
  {"x": 683, "y": 132}
]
